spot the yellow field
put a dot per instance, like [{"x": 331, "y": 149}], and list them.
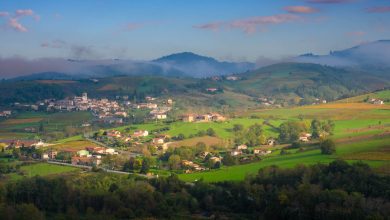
[
  {"x": 209, "y": 141},
  {"x": 74, "y": 145},
  {"x": 347, "y": 106},
  {"x": 21, "y": 121}
]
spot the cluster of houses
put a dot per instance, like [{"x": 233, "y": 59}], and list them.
[
  {"x": 159, "y": 141},
  {"x": 91, "y": 155},
  {"x": 376, "y": 101},
  {"x": 202, "y": 117},
  {"x": 239, "y": 150},
  {"x": 266, "y": 101},
  {"x": 5, "y": 113},
  {"x": 305, "y": 137},
  {"x": 191, "y": 166},
  {"x": 157, "y": 112},
  {"x": 16, "y": 144}
]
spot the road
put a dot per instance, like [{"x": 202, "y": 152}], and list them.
[{"x": 106, "y": 170}]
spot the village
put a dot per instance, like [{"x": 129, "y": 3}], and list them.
[
  {"x": 104, "y": 110},
  {"x": 113, "y": 149}
]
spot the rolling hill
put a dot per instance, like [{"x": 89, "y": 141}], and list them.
[{"x": 286, "y": 83}]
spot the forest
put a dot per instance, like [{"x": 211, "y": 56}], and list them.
[{"x": 338, "y": 190}]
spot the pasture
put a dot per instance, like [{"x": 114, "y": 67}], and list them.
[
  {"x": 361, "y": 134},
  {"x": 40, "y": 169}
]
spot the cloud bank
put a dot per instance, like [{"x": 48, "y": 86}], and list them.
[{"x": 251, "y": 25}]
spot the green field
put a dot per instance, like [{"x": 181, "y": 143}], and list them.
[
  {"x": 41, "y": 169},
  {"x": 239, "y": 172}
]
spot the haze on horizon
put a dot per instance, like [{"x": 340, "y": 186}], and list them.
[{"x": 248, "y": 30}]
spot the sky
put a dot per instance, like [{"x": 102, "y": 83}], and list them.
[{"x": 239, "y": 30}]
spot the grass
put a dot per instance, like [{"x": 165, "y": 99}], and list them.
[
  {"x": 239, "y": 172},
  {"x": 74, "y": 145},
  {"x": 344, "y": 151},
  {"x": 41, "y": 169}
]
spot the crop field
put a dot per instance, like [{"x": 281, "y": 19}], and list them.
[
  {"x": 363, "y": 136},
  {"x": 15, "y": 126},
  {"x": 209, "y": 141},
  {"x": 373, "y": 152},
  {"x": 73, "y": 145}
]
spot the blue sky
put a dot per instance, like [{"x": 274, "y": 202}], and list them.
[{"x": 241, "y": 30}]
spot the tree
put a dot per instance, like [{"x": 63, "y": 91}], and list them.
[
  {"x": 211, "y": 132},
  {"x": 201, "y": 146},
  {"x": 229, "y": 160},
  {"x": 41, "y": 129},
  {"x": 174, "y": 162},
  {"x": 316, "y": 128},
  {"x": 145, "y": 166},
  {"x": 290, "y": 131},
  {"x": 237, "y": 128},
  {"x": 129, "y": 165},
  {"x": 328, "y": 146}
]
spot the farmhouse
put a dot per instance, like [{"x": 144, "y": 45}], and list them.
[
  {"x": 86, "y": 161},
  {"x": 83, "y": 153},
  {"x": 192, "y": 165},
  {"x": 158, "y": 114},
  {"x": 52, "y": 154},
  {"x": 45, "y": 156},
  {"x": 215, "y": 159},
  {"x": 305, "y": 137},
  {"x": 188, "y": 118},
  {"x": 140, "y": 133},
  {"x": 96, "y": 150},
  {"x": 271, "y": 142},
  {"x": 158, "y": 140},
  {"x": 232, "y": 78},
  {"x": 261, "y": 151},
  {"x": 211, "y": 89},
  {"x": 114, "y": 133},
  {"x": 242, "y": 147},
  {"x": 377, "y": 101},
  {"x": 203, "y": 154},
  {"x": 5, "y": 113},
  {"x": 236, "y": 152},
  {"x": 110, "y": 151}
]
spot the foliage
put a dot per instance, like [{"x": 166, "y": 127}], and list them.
[
  {"x": 290, "y": 131},
  {"x": 328, "y": 146},
  {"x": 335, "y": 191}
]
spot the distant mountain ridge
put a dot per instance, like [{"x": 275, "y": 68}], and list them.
[
  {"x": 184, "y": 64},
  {"x": 372, "y": 55},
  {"x": 202, "y": 66}
]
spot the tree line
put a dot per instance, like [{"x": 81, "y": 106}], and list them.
[{"x": 335, "y": 191}]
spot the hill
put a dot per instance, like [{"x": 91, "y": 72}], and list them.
[
  {"x": 303, "y": 80},
  {"x": 201, "y": 66},
  {"x": 285, "y": 83}
]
